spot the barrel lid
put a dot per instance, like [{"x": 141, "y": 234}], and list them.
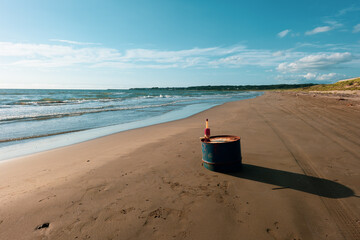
[{"x": 222, "y": 139}]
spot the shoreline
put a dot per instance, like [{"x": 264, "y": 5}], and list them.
[
  {"x": 31, "y": 145},
  {"x": 300, "y": 178},
  {"x": 79, "y": 136}
]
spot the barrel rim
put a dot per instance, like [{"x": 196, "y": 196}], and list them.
[{"x": 235, "y": 138}]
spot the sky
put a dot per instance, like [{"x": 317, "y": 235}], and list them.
[{"x": 96, "y": 44}]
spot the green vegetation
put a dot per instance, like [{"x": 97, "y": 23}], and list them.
[
  {"x": 353, "y": 84},
  {"x": 234, "y": 88}
]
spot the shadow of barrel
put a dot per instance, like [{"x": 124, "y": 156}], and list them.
[{"x": 300, "y": 182}]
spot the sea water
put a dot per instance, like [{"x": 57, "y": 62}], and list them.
[{"x": 38, "y": 120}]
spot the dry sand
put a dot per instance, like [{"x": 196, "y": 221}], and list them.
[{"x": 300, "y": 180}]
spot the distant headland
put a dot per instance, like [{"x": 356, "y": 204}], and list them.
[{"x": 234, "y": 87}]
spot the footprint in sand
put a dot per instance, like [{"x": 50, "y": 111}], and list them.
[
  {"x": 271, "y": 233},
  {"x": 127, "y": 210},
  {"x": 163, "y": 213},
  {"x": 275, "y": 234},
  {"x": 174, "y": 185}
]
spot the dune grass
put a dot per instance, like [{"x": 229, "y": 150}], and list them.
[{"x": 353, "y": 84}]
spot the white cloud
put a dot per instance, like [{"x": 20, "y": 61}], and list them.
[
  {"x": 283, "y": 33},
  {"x": 73, "y": 42},
  {"x": 42, "y": 56},
  {"x": 334, "y": 24},
  {"x": 31, "y": 50},
  {"x": 171, "y": 56},
  {"x": 331, "y": 26},
  {"x": 347, "y": 10},
  {"x": 310, "y": 77},
  {"x": 234, "y": 60},
  {"x": 252, "y": 57},
  {"x": 52, "y": 56},
  {"x": 320, "y": 61},
  {"x": 329, "y": 47},
  {"x": 46, "y": 55},
  {"x": 319, "y": 77},
  {"x": 356, "y": 28},
  {"x": 324, "y": 77},
  {"x": 319, "y": 30},
  {"x": 278, "y": 53}
]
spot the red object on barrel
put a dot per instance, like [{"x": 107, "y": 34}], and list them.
[{"x": 207, "y": 130}]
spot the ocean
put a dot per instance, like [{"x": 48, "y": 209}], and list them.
[{"x": 37, "y": 120}]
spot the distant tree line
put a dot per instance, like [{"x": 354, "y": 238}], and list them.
[{"x": 234, "y": 88}]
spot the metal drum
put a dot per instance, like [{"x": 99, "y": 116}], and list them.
[{"x": 222, "y": 153}]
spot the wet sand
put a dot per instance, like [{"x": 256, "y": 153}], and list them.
[{"x": 300, "y": 178}]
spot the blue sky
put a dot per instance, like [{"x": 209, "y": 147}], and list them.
[{"x": 123, "y": 44}]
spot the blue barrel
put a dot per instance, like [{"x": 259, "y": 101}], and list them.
[{"x": 222, "y": 153}]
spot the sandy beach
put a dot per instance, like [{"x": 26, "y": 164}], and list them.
[{"x": 300, "y": 178}]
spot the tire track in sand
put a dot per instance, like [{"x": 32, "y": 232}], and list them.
[
  {"x": 342, "y": 216},
  {"x": 350, "y": 143}
]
